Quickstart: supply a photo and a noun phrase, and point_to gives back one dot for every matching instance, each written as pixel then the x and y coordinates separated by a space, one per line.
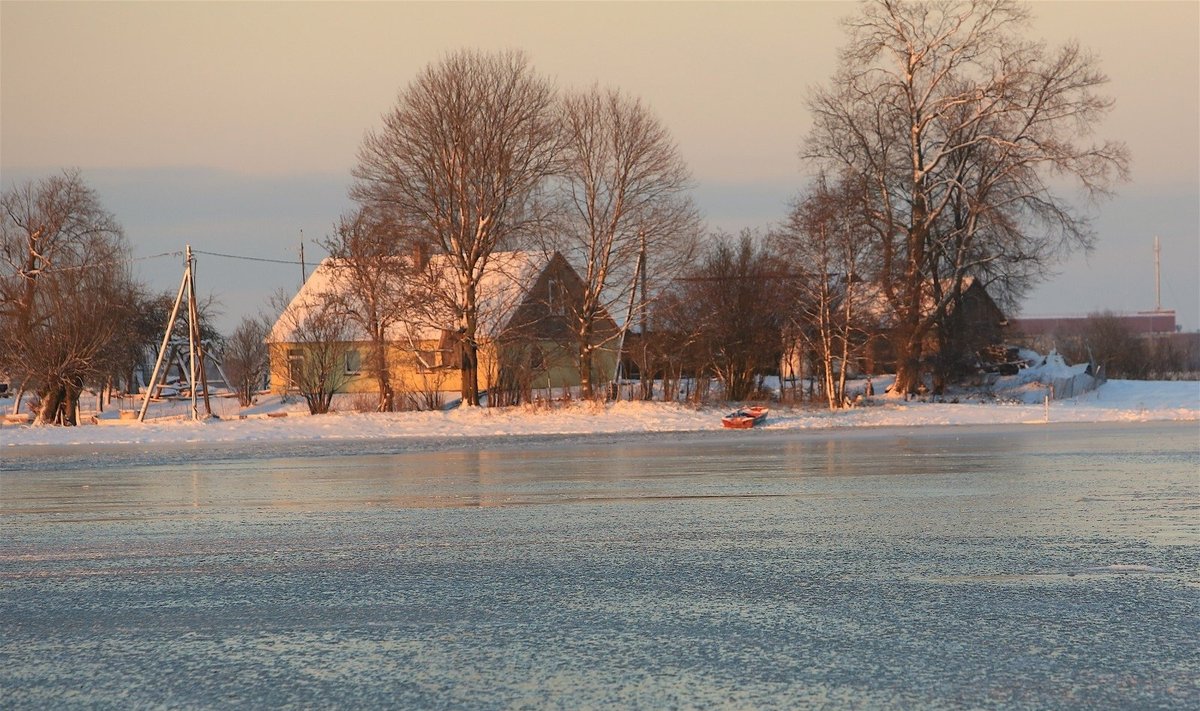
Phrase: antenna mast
pixel 1157 275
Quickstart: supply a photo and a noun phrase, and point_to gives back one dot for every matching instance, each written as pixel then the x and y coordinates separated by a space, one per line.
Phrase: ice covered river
pixel 1021 566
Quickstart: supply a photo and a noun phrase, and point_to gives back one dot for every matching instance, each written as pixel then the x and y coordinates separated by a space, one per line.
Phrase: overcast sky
pixel 234 126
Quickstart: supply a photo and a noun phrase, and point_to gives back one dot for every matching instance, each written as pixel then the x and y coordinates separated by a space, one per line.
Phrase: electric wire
pixel 244 258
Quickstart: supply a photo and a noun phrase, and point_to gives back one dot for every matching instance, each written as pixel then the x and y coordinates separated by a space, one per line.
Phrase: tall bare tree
pixel 623 195
pixel 823 241
pixel 65 290
pixel 373 280
pixel 958 128
pixel 458 162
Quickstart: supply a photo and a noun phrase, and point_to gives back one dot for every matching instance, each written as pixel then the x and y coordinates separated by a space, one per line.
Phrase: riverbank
pixel 1116 401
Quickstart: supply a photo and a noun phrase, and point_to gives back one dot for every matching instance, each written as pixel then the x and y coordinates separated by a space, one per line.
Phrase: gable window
pixel 554 296
pixel 353 362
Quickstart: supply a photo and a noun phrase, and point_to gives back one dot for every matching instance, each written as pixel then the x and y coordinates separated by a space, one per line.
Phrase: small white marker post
pixel 1047 408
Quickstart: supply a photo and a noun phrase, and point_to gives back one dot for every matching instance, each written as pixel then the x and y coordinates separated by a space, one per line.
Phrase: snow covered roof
pixel 870 300
pixel 505 283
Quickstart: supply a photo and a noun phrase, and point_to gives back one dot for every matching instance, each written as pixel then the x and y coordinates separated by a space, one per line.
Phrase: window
pixel 353 362
pixel 450 353
pixel 426 361
pixel 295 367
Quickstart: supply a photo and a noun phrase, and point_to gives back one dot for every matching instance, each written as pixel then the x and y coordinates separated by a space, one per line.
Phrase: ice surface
pixel 1008 567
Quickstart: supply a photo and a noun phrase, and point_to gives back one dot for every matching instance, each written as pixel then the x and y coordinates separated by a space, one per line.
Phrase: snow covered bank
pixel 1116 401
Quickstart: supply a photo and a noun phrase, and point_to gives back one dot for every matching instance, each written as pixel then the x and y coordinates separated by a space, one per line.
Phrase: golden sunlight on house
pixel 526 342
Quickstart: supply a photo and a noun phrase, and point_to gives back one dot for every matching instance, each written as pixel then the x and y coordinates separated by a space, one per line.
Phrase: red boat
pixel 744 418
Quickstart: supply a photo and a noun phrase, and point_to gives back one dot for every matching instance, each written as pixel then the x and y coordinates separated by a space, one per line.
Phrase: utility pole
pixel 194 340
pixel 195 352
pixel 641 267
pixel 639 276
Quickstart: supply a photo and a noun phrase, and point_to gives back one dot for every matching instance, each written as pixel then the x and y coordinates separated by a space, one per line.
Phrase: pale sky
pixel 234 126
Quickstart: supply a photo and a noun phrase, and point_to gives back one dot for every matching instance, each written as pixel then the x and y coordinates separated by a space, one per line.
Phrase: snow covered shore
pixel 1116 401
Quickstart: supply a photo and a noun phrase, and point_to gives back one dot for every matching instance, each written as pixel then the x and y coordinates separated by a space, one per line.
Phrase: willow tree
pixel 66 295
pixel 623 200
pixel 967 139
pixel 458 162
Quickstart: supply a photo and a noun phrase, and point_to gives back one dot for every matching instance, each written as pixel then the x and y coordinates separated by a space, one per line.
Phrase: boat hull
pixel 745 418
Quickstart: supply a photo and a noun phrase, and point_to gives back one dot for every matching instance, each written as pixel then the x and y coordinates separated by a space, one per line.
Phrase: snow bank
pixel 1116 401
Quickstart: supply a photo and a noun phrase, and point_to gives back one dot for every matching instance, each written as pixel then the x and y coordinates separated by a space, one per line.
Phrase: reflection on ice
pixel 954 568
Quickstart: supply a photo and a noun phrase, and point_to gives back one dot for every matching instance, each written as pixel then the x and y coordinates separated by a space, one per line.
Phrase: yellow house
pixel 527 302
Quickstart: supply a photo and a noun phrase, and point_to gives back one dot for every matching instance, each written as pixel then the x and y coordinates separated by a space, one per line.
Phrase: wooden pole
pixel 198 341
pixel 162 350
pixel 191 335
pixel 629 315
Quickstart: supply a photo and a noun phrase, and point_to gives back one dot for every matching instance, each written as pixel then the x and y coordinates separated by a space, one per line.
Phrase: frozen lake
pixel 1020 566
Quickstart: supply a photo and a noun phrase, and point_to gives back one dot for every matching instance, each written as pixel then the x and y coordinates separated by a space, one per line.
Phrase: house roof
pixel 505 284
pixel 870 300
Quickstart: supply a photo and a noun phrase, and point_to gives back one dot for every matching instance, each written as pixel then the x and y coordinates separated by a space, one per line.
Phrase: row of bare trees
pixel 943 144
pixel 481 154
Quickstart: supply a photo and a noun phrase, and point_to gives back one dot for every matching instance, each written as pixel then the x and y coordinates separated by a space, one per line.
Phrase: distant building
pixel 1141 323
pixel 972 323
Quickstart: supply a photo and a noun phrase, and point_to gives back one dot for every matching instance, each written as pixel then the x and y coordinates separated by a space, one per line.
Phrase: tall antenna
pixel 1157 275
pixel 303 268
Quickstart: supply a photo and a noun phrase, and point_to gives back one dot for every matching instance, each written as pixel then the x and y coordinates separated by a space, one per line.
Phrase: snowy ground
pixel 1116 401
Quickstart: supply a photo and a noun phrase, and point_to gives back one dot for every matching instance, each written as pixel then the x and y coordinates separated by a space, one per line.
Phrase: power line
pixel 178 253
pixel 244 258
pixel 51 269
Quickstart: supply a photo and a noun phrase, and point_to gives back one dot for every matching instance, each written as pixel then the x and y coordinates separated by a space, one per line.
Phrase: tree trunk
pixel 470 349
pixel 585 370
pixel 70 404
pixel 470 372
pixel 387 396
pixel 50 404
pixel 20 394
pixel 908 361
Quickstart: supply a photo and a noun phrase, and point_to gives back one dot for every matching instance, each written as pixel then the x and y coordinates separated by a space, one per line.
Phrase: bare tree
pixel 312 339
pixel 374 281
pixel 957 127
pixel 140 336
pixel 246 359
pixel 824 241
pixel 623 195
pixel 732 303
pixel 458 163
pixel 1109 343
pixel 64 290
